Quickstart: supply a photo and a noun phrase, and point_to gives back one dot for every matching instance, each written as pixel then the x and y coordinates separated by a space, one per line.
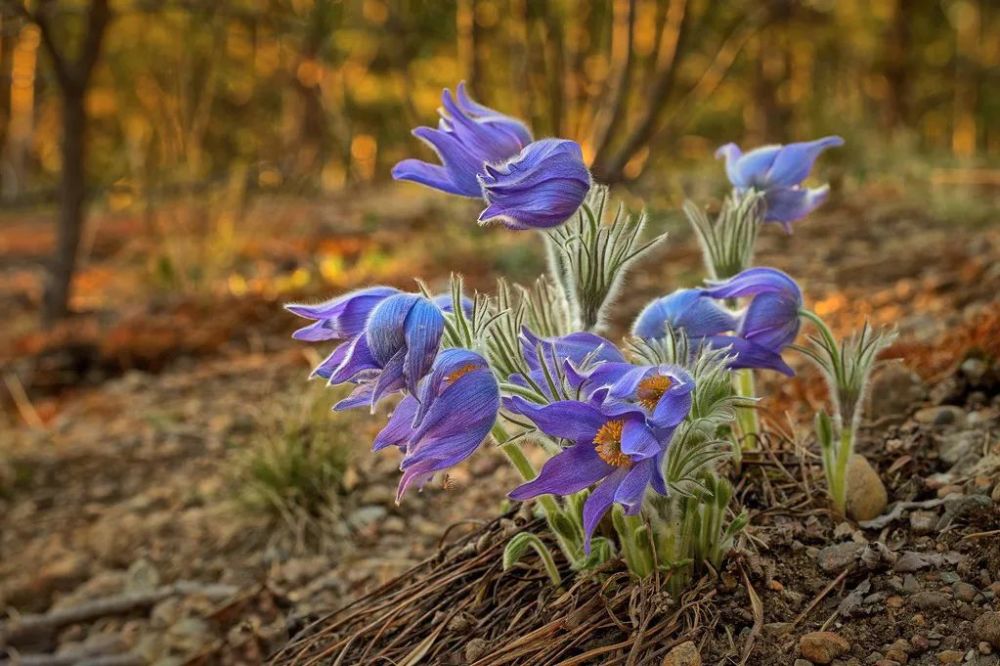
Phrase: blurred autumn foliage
pixel 303 96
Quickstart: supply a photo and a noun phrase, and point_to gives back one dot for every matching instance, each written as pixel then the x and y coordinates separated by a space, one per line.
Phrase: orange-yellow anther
pixel 651 389
pixel 608 444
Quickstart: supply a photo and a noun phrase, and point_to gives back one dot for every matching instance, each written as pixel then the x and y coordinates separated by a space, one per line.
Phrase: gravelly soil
pixel 129 484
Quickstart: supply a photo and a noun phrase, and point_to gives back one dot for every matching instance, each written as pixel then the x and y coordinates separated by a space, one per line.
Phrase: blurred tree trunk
pixel 896 72
pixel 608 165
pixel 611 113
pixel 468 46
pixel 73 76
pixel 967 31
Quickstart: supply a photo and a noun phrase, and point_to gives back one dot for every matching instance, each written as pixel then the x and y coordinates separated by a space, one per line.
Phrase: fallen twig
pixel 29 628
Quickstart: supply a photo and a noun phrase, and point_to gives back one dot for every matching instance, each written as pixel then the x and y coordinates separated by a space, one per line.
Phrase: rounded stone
pixel 866 494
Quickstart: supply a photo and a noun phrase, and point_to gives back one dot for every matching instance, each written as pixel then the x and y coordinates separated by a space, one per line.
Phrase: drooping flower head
pixel 771 320
pixel 446 421
pixel 685 309
pixel 539 188
pixel 468 136
pixel 619 452
pixel 756 337
pixel 340 317
pixel 394 348
pixel 778 172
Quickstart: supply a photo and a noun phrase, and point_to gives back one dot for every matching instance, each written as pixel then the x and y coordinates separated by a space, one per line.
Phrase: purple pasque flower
pixel 778 172
pixel 771 320
pixel 340 317
pixel 468 136
pixel 685 309
pixel 396 348
pixel 539 188
pixel 446 421
pixel 619 452
pixel 660 392
pixel 547 357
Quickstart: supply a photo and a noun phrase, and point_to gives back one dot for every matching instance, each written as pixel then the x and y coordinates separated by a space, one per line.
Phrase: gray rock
pixel 685 654
pixel 835 558
pixel 987 628
pixel 822 647
pixel 930 600
pixel 923 522
pixel 866 494
pixel 939 416
pixel 909 562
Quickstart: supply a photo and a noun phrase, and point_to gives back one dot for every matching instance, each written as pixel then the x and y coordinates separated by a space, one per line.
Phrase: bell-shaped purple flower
pixel 778 172
pixel 401 337
pixel 446 420
pixel 619 452
pixel 539 188
pixel 685 309
pixel 341 317
pixel 771 320
pixel 468 136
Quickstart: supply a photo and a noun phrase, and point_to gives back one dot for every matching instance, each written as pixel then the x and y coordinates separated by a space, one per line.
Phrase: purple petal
pixel 687 310
pixel 391 378
pixel 425 173
pixel 787 205
pixel 750 355
pixel 361 395
pixel 638 441
pixel 795 160
pixel 771 320
pixel 732 153
pixel 753 281
pixel 357 359
pixel 568 419
pixel 633 487
pixel 565 473
pixel 386 326
pixel 461 165
pixel 598 504
pixel 751 169
pixel 400 426
pixel 423 330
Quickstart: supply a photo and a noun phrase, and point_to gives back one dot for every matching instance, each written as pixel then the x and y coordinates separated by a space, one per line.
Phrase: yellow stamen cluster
pixel 608 444
pixel 651 389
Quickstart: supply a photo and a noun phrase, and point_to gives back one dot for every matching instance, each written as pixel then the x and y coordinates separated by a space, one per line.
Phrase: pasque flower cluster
pixel 463 371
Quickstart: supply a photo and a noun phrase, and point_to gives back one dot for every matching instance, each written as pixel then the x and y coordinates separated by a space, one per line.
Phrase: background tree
pixel 73 65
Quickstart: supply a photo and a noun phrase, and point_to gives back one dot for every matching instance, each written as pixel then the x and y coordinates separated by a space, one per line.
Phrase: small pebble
pixel 822 647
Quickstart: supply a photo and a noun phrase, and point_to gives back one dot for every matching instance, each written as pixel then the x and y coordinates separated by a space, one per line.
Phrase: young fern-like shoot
pixel 847 367
pixel 593 251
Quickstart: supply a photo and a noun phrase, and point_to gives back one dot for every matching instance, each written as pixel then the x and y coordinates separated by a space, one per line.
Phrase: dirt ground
pixel 122 432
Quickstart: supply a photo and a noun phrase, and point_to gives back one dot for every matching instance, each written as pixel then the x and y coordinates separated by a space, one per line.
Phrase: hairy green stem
pixel 747 419
pixel 568 540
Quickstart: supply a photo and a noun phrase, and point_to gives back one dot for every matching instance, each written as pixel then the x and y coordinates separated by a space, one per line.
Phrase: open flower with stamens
pixel 468 136
pixel 446 421
pixel 395 349
pixel 778 172
pixel 619 452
